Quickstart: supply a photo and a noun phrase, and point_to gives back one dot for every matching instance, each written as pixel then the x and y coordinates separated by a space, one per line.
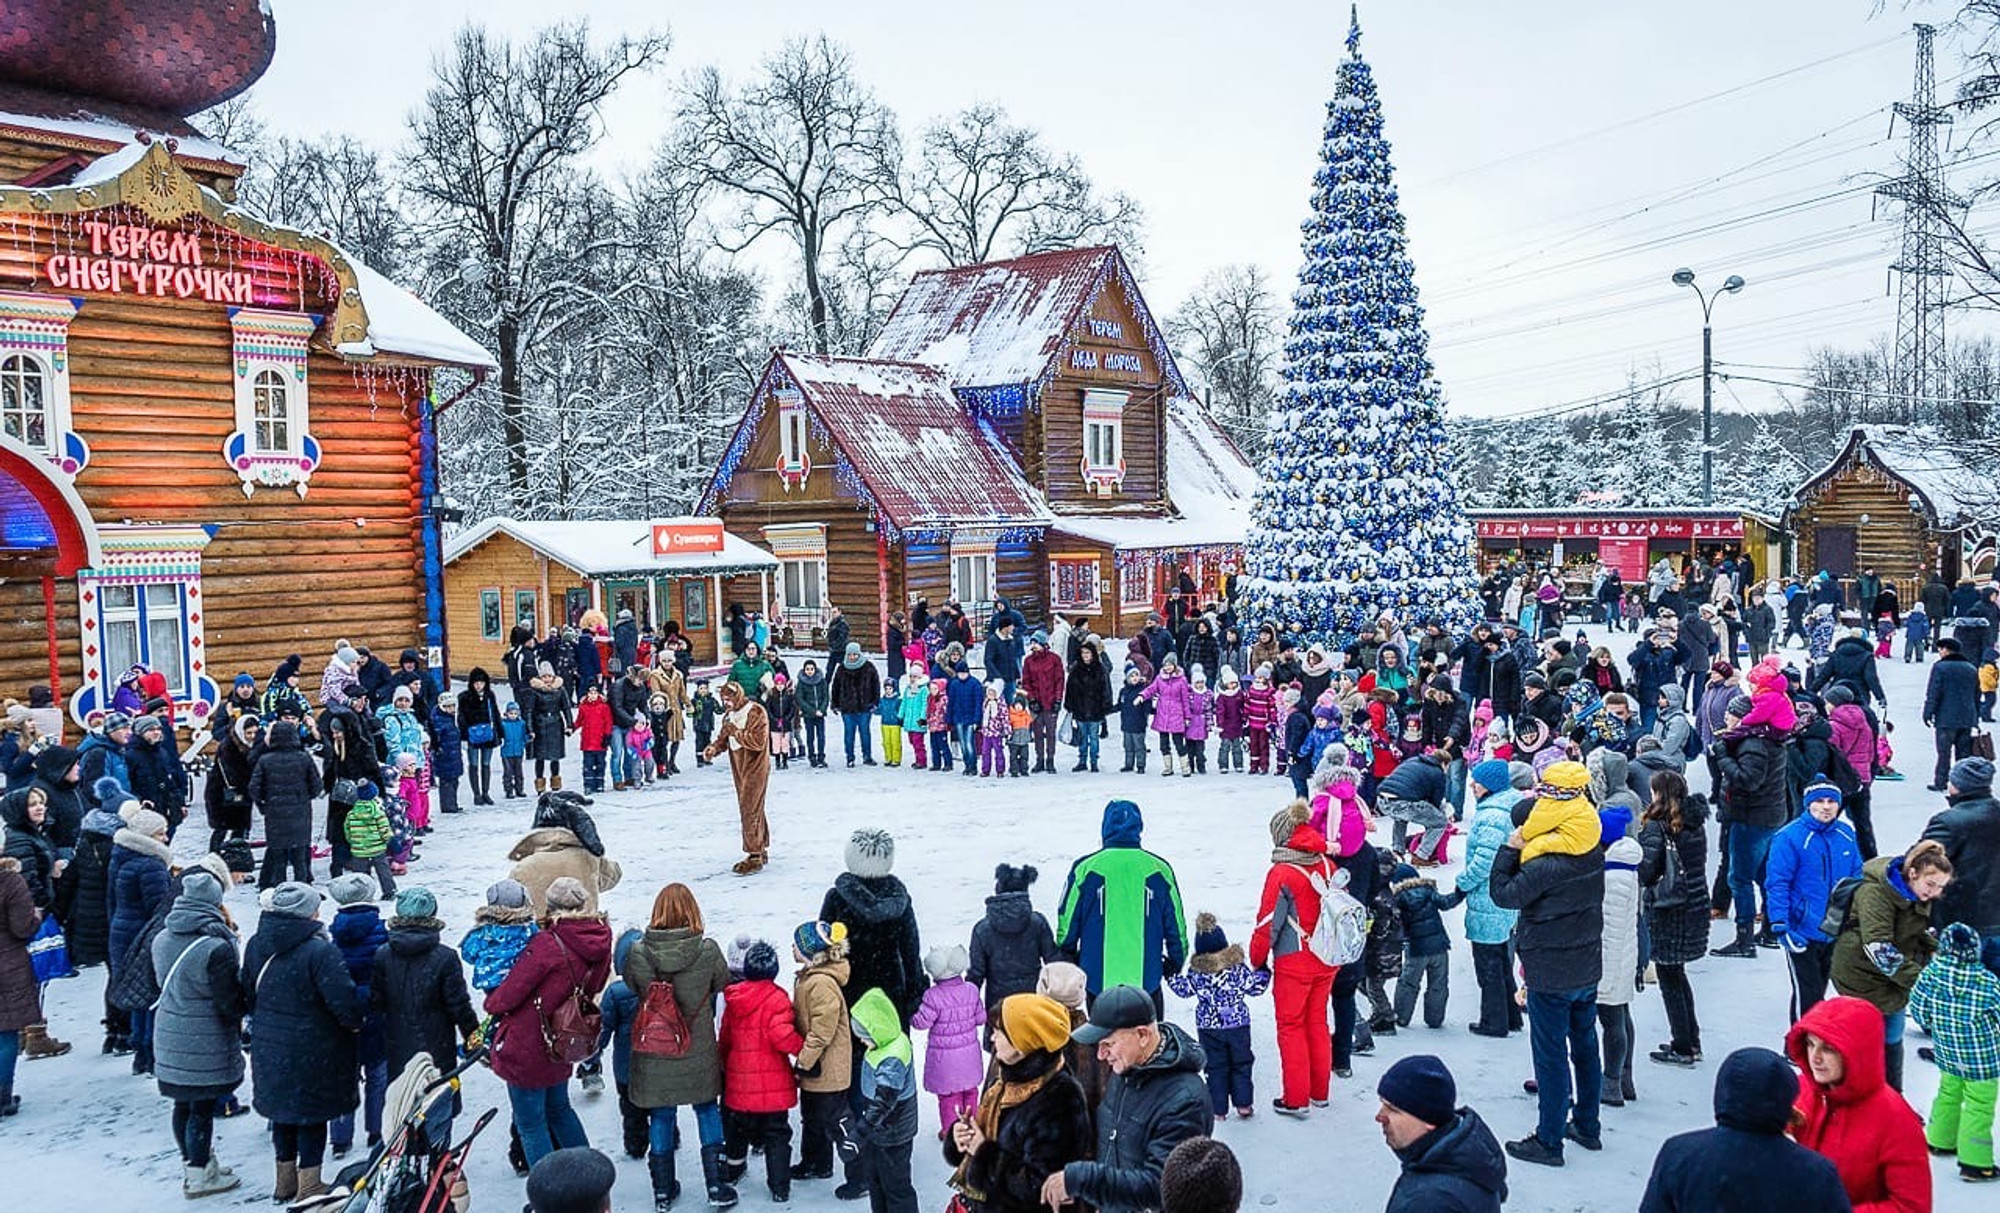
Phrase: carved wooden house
pixel 216 439
pixel 1019 430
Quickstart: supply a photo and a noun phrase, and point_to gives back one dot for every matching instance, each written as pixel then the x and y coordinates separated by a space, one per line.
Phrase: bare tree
pixel 1227 331
pixel 335 187
pixel 492 148
pixel 803 149
pixel 983 187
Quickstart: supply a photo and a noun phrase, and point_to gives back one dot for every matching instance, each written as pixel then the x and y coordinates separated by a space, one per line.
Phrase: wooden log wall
pixel 22 155
pixel 510 566
pixel 1107 351
pixel 152 394
pixel 852 579
pixel 24 649
pixel 1894 541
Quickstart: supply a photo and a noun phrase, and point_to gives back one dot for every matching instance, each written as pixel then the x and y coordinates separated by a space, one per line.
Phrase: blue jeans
pixel 661 1134
pixel 619 763
pixel 1565 1022
pixel 968 743
pixel 545 1120
pixel 855 724
pixel 1748 845
pixel 1087 734
pixel 1454 790
pixel 375 1089
pixel 10 1052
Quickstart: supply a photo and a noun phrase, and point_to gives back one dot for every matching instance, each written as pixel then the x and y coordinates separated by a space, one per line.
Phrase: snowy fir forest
pixel 624 319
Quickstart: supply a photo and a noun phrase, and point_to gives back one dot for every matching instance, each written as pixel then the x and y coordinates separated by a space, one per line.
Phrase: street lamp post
pixel 1732 284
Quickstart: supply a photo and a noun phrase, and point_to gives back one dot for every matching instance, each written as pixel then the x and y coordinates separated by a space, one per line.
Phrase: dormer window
pixel 1103 467
pixel 794 462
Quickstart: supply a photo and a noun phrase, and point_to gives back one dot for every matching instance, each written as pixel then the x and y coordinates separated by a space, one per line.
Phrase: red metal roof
pixel 995 324
pixel 926 462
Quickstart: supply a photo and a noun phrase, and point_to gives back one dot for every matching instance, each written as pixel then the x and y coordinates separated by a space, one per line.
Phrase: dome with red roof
pixel 168 56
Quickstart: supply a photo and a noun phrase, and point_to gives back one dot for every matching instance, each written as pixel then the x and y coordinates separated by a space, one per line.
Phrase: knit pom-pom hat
pixel 871 853
pixel 1010 879
pixel 1208 934
pixel 945 963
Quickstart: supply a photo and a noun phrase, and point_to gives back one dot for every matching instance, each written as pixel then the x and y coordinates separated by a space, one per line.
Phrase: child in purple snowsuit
pixel 1220 981
pixel 1232 725
pixel 952 1013
pixel 1201 702
pixel 1168 694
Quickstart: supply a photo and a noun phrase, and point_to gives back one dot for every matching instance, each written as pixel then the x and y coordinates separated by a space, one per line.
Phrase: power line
pixel 1679 107
pixel 1548 412
pixel 1865 393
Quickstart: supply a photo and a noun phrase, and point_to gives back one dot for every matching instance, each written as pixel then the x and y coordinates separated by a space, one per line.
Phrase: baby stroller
pixel 416 1169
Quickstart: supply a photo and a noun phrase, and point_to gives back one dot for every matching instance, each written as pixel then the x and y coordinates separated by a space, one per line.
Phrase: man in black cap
pixel 1451 1161
pixel 575 1180
pixel 1154 1101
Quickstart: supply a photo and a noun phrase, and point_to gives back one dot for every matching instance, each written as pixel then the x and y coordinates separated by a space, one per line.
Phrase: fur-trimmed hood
pixel 143 844
pixel 1216 962
pixel 1414 882
pixel 504 915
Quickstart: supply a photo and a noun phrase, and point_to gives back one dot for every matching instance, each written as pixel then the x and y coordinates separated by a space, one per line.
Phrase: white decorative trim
pixel 140 556
pixel 269 354
pixel 36 327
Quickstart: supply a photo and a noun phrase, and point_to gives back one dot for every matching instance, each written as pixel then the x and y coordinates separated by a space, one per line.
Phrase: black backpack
pixel 1839 906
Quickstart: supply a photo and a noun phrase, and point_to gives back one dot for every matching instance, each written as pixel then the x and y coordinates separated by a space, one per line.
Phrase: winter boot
pixel 778 1175
pixel 197 1182
pixel 666 1189
pixel 36 1043
pixel 1167 763
pixel 10 1103
pixel 733 1169
pixel 541 785
pixel 720 1194
pixel 555 783
pixel 309 1183
pixel 287 1187
pixel 1744 947
pixel 1893 1070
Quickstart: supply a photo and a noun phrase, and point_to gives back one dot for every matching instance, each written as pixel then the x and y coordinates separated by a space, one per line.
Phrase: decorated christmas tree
pixel 1357 514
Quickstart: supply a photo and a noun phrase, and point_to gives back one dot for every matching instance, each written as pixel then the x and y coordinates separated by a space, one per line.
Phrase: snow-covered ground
pixel 88 1126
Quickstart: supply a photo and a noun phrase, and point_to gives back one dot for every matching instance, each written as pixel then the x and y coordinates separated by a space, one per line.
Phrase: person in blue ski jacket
pixel 1807 858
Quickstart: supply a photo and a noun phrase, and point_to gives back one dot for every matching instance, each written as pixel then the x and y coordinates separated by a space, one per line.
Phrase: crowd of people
pixel 1581 785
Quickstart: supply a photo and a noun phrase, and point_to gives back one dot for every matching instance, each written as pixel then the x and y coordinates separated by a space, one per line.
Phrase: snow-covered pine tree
pixel 1357 513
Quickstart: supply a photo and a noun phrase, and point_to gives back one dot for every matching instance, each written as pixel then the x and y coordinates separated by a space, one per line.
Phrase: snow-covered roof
pixel 1212 486
pixel 112 131
pixel 1955 493
pixel 995 324
pixel 913 446
pixel 401 323
pixel 607 548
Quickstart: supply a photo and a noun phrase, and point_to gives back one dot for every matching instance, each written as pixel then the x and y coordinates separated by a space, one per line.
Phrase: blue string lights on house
pixel 1357 514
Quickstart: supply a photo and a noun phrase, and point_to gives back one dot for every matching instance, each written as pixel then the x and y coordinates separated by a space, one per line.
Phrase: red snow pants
pixel 1301 988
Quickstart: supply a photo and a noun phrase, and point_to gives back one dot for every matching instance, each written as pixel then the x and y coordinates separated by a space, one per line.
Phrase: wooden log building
pixel 216 435
pixel 1019 431
pixel 1901 501
pixel 505 572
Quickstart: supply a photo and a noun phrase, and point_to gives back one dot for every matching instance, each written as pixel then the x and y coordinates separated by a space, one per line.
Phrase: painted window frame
pixel 1061 560
pixel 533 615
pixel 802 559
pixel 266 345
pixel 1135 585
pixel 36 328
pixel 148 590
pixel 1103 464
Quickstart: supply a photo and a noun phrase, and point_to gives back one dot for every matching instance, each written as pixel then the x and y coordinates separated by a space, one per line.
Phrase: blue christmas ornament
pixel 1357 513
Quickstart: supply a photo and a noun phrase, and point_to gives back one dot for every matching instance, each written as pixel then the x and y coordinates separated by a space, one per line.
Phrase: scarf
pixel 1017 1085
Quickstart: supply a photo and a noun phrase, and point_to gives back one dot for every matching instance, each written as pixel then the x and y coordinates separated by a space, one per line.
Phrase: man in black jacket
pixel 628 705
pixel 1451 1160
pixel 855 689
pixel 1447 717
pixel 1746 1161
pixel 1560 939
pixel 1756 803
pixel 1851 663
pixel 1154 1101
pixel 1970 832
pixel 1951 706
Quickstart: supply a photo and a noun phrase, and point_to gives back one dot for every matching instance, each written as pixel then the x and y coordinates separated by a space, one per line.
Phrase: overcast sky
pixel 1549 196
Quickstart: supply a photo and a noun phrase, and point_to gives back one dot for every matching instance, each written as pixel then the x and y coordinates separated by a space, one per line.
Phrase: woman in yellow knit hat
pixel 1031 1121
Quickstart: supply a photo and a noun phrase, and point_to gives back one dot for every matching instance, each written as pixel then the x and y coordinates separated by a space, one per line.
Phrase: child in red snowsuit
pixel 593 722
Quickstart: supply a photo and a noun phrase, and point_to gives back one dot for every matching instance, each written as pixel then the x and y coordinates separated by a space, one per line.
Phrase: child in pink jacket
pixel 952 1014
pixel 1168 693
